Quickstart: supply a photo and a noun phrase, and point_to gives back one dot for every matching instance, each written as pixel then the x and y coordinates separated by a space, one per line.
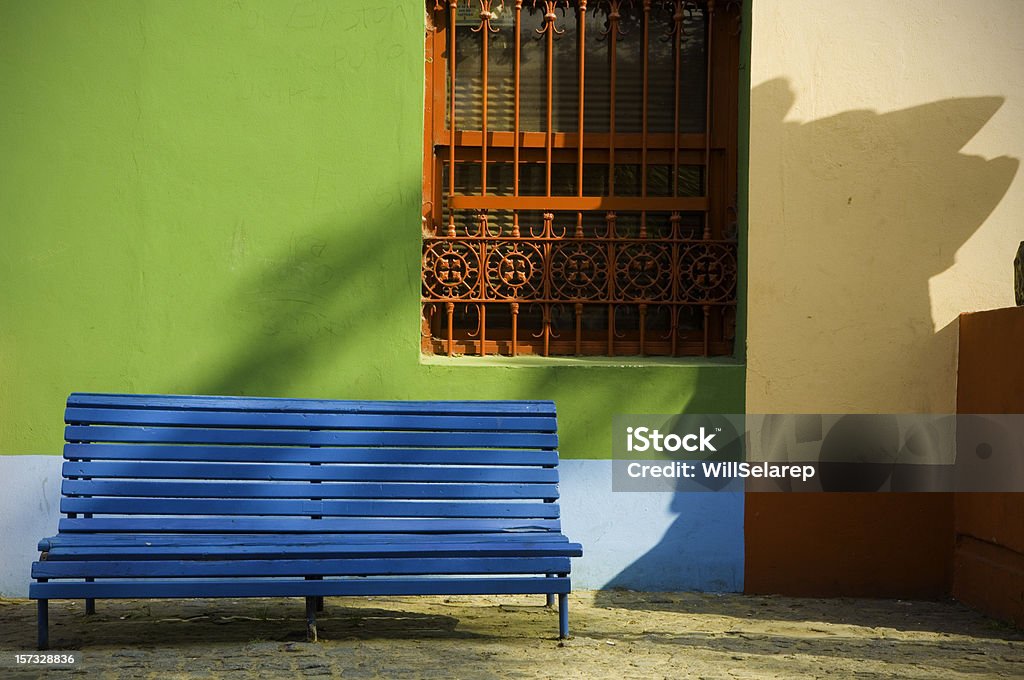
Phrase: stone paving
pixel 616 635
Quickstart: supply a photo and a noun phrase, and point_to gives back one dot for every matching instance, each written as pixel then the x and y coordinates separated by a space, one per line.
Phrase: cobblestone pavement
pixel 616 635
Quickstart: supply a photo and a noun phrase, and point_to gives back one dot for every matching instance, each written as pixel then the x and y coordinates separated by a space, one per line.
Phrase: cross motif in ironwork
pixel 515 269
pixel 643 264
pixel 707 272
pixel 450 269
pixel 579 269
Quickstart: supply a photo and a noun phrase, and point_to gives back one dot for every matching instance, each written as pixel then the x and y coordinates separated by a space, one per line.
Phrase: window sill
pixel 533 361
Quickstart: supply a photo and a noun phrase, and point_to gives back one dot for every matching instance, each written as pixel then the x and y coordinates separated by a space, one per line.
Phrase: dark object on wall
pixel 1018 275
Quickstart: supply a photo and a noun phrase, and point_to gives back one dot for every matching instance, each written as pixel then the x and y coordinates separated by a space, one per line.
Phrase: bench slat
pixel 187 551
pixel 285 454
pixel 289 524
pixel 186 435
pixel 295 471
pixel 147 540
pixel 325 421
pixel 278 489
pixel 328 508
pixel 300 567
pixel 285 588
pixel 219 403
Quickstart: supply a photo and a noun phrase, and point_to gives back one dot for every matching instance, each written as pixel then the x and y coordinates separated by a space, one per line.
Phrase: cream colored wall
pixel 885 196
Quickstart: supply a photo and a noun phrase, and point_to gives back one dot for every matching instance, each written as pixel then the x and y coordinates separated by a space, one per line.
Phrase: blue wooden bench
pixel 172 496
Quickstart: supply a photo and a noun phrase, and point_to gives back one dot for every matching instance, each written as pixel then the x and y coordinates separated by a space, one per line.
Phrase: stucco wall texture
pixel 224 198
pixel 201 197
pixel 884 199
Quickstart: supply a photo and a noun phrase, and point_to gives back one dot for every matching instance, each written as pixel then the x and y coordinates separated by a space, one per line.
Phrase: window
pixel 579 178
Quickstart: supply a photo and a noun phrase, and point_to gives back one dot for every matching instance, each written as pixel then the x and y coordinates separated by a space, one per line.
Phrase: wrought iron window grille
pixel 562 219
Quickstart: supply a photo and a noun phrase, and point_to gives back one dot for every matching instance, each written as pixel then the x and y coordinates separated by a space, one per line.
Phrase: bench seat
pixel 239 497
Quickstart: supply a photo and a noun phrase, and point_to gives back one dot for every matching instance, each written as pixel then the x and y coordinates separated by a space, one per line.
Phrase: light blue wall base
pixel 29 504
pixel 650 541
pixel 640 541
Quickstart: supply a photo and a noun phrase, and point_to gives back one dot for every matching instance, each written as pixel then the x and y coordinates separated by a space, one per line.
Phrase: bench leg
pixel 563 616
pixel 311 619
pixel 90 603
pixel 319 599
pixel 43 621
pixel 549 599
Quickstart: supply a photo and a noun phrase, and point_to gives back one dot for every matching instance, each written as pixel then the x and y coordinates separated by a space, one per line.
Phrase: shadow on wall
pixel 309 317
pixel 870 207
pixel 702 548
pixel 852 214
pixel 298 314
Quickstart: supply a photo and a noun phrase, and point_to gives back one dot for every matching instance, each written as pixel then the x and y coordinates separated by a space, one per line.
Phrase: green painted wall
pixel 223 197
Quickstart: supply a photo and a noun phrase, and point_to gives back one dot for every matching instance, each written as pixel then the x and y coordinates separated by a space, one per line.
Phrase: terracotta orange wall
pixel 988 566
pixel 849 544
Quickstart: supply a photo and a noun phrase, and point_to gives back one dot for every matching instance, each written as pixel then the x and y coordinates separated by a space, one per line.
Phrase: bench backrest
pixel 188 464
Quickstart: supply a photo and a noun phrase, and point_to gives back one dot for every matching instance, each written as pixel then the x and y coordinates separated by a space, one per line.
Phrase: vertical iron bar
pixel 515 115
pixel 643 147
pixel 677 39
pixel 674 309
pixel 709 23
pixel 579 328
pixel 515 328
pixel 549 18
pixel 643 326
pixel 483 328
pixel 484 30
pixel 450 308
pixel 610 218
pixel 613 38
pixel 611 326
pixel 581 25
pixel 453 6
pixel 483 282
pixel 707 322
pixel 547 327
pixel 548 234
